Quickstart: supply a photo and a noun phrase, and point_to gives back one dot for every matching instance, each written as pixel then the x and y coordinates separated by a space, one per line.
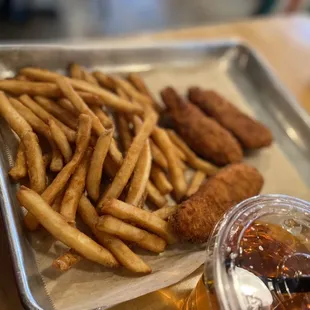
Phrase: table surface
pixel 284 41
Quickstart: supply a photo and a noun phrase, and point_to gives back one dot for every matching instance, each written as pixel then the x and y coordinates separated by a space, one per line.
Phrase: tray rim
pixel 20 275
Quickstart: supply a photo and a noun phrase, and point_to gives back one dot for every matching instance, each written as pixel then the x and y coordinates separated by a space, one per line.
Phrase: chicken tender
pixel 251 133
pixel 204 135
pixel 195 217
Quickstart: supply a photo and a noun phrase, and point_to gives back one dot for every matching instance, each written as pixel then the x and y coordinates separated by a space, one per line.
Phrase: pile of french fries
pixel 90 146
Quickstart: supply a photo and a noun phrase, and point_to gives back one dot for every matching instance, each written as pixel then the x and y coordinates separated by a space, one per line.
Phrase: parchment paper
pixel 88 285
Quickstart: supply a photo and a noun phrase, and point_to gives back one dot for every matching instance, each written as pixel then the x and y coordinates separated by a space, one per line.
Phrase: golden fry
pixel 155 196
pixel 142 238
pixel 60 181
pixel 117 247
pixel 158 156
pixel 191 157
pixel 75 189
pixel 35 164
pixel 105 80
pixel 89 78
pixel 16 87
pixel 91 99
pixel 109 98
pixel 79 104
pixel 54 223
pixel 140 176
pixel 83 108
pixel 67 260
pixel 177 178
pixel 131 158
pixel 104 119
pixel 19 170
pixel 94 173
pixel 40 127
pixel 60 113
pixel 142 218
pixel 67 105
pixel 197 180
pixel 132 92
pixel 160 180
pixel 21 78
pixel 165 212
pixel 124 131
pixel 14 119
pixel 45 116
pixel 76 72
pixel 61 140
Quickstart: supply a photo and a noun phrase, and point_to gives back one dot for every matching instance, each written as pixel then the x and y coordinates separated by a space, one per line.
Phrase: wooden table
pixel 285 42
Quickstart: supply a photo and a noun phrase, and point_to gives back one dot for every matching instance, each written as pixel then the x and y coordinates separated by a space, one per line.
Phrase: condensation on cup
pixel 258 257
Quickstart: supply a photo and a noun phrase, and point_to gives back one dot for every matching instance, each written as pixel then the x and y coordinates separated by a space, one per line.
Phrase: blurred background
pixel 76 19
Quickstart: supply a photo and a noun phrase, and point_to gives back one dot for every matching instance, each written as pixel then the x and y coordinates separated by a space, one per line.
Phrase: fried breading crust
pixel 195 218
pixel 251 133
pixel 203 134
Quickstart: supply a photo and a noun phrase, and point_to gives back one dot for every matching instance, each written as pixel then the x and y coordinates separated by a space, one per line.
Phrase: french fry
pixel 21 78
pixel 35 164
pixel 60 113
pixel 91 99
pixel 160 180
pixel 142 218
pixel 110 99
pixel 19 170
pixel 75 189
pixel 140 176
pixel 60 181
pixel 16 87
pixel 132 92
pixel 55 224
pixel 14 119
pixel 47 158
pixel 79 104
pixel 105 80
pixel 197 180
pixel 138 83
pixel 155 196
pixel 125 231
pixel 83 108
pixel 158 156
pixel 104 119
pixel 117 247
pixel 131 158
pixel 76 71
pixel 89 78
pixel 142 200
pixel 67 260
pixel 165 212
pixel 124 131
pixel 110 168
pixel 60 139
pixel 67 105
pixel 94 173
pixel 177 178
pixel 194 161
pixel 179 152
pixel 40 127
pixel 45 116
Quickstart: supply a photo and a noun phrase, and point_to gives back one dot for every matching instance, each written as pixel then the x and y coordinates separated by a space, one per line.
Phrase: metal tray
pixel 253 78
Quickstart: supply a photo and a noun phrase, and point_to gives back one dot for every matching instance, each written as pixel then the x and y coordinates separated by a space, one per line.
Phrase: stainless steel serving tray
pixel 253 78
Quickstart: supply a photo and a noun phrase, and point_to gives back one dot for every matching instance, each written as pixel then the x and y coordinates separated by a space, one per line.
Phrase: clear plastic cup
pixel 258 257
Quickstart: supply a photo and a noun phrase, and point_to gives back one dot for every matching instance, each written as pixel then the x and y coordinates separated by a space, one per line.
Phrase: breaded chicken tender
pixel 195 217
pixel 204 135
pixel 250 133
